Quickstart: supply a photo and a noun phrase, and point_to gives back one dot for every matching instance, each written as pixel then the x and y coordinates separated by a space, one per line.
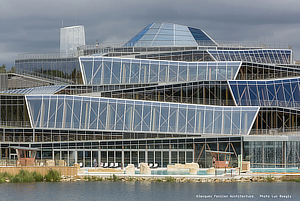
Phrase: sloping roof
pixel 35 90
pixel 25 148
pixel 167 34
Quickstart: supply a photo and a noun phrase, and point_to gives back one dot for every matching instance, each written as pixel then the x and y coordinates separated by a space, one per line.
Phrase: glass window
pixel 146 118
pixel 97 72
pixel 191 121
pixel 107 71
pixel 279 93
pixel 236 128
pixel 173 72
pixel 208 121
pixel 102 115
pixel 52 112
pixel 137 118
pixel 182 120
pixel 120 116
pixel 164 119
pixel 217 122
pixel 272 95
pixel 263 96
pixel 88 69
pixel 116 71
pixel 135 72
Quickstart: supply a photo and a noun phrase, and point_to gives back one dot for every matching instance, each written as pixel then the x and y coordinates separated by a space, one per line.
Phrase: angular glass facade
pixel 105 70
pixel 259 71
pixel 36 90
pixel 202 92
pixel 165 34
pixel 258 56
pixel 14 111
pixel 166 96
pixel 128 115
pixel 58 70
pixel 282 93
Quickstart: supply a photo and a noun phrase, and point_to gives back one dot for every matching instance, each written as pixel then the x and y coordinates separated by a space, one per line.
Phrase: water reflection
pixel 140 190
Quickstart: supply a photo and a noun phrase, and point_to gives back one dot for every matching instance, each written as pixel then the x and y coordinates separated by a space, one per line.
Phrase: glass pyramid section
pixel 166 34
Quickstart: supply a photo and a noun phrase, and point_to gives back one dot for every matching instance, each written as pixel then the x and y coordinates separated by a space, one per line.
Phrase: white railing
pixel 109 47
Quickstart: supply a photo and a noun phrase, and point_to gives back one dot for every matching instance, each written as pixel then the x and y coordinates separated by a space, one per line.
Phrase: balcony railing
pixel 276 131
pixel 111 47
pixel 10 124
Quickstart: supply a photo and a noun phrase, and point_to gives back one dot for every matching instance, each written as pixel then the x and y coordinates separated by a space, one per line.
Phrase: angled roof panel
pixel 167 34
pixel 36 90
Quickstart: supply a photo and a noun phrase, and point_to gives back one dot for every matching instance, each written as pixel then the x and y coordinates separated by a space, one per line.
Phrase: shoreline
pixel 226 177
pixel 91 174
pixel 183 178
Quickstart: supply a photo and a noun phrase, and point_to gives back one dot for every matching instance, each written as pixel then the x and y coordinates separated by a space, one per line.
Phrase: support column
pixel 123 164
pixel 33 135
pixel 284 154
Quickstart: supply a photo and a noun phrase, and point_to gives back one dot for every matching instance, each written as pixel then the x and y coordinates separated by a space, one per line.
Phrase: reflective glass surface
pixel 165 34
pixel 128 115
pixel 36 90
pixel 283 93
pixel 258 56
pixel 107 70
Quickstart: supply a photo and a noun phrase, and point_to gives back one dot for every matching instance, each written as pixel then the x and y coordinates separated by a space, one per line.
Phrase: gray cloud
pixel 33 26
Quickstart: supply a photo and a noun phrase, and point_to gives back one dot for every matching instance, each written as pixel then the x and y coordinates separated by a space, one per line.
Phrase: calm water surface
pixel 149 191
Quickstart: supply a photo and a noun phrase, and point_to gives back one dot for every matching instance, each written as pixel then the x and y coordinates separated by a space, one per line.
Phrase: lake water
pixel 149 191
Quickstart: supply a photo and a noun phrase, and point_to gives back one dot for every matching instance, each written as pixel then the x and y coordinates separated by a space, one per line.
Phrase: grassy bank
pixel 25 176
pixel 53 175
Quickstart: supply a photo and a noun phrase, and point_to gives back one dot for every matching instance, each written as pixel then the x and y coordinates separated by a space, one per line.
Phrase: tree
pixel 2 68
pixel 12 70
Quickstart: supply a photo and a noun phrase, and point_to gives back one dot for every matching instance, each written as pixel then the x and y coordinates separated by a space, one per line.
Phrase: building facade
pixel 171 94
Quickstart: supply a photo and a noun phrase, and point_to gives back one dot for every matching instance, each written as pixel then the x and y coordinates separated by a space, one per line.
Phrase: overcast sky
pixel 33 26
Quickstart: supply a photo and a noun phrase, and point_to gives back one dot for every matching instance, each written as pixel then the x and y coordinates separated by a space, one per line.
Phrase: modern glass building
pixel 171 94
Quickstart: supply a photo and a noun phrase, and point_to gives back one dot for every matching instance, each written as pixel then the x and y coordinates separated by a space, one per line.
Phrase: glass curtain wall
pixel 259 71
pixel 59 69
pixel 259 56
pixel 189 56
pixel 281 93
pixel 128 115
pixel 272 121
pixel 13 111
pixel 105 70
pixel 204 92
pixel 272 154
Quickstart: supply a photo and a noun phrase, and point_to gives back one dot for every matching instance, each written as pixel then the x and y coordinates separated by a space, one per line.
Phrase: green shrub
pixel 22 176
pixel 170 179
pixel 115 178
pixel 89 178
pixel 37 176
pixel 4 176
pixel 294 180
pixel 52 175
pixel 269 179
pixel 2 180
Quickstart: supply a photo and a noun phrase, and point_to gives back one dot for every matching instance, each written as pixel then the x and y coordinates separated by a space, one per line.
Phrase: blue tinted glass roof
pixel 167 34
pixel 36 90
pixel 258 56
